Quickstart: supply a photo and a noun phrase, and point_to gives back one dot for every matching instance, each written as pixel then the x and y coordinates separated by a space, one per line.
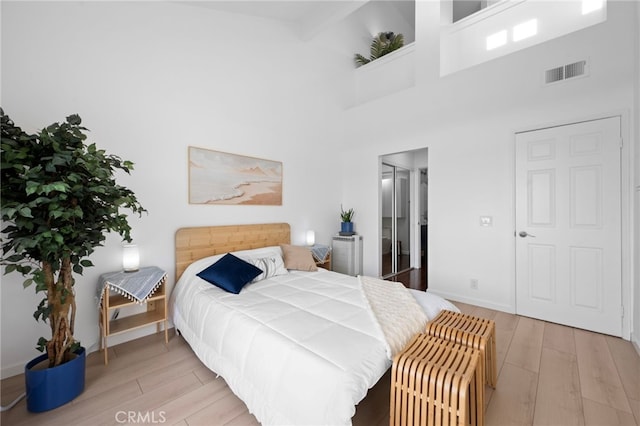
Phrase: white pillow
pixel 272 256
pixel 271 266
pixel 257 253
pixel 432 304
pixel 269 259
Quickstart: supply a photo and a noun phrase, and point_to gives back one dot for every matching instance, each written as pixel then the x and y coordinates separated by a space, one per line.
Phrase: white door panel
pixel 568 225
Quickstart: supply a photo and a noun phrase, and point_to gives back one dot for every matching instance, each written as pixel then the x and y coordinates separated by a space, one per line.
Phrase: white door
pixel 568 225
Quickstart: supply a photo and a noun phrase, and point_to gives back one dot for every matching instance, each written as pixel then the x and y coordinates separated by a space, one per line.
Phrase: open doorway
pixel 403 217
pixel 423 194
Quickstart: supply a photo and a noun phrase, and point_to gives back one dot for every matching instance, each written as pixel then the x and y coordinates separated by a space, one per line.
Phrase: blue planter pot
pixel 346 226
pixel 50 388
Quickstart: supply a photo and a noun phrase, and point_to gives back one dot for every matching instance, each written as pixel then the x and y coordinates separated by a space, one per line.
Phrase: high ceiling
pixel 306 16
pixel 288 10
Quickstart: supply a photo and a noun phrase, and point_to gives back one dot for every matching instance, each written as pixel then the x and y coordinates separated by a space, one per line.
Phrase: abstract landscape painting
pixel 221 178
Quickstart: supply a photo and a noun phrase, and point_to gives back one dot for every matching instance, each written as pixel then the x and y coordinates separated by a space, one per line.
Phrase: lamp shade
pixel 311 238
pixel 130 257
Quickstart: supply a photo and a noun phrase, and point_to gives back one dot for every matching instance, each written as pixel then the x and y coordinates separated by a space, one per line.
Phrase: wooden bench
pixel 478 333
pixel 436 382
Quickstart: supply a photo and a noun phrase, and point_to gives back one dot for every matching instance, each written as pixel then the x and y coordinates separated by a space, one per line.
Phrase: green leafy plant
pixel 59 200
pixel 382 44
pixel 346 215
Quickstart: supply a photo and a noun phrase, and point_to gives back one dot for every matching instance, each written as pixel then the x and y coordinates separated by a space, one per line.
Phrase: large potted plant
pixel 59 200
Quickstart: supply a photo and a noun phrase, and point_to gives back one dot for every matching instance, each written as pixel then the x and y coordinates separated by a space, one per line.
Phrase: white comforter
pixel 298 349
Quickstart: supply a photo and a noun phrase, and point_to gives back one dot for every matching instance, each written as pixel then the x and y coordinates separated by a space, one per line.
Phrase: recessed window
pixel 496 40
pixel 525 30
pixel 589 6
pixel 480 37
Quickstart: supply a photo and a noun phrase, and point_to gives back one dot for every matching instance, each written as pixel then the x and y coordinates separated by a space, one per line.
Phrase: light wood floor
pixel 548 375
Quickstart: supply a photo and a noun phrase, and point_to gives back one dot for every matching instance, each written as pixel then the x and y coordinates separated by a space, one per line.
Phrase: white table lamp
pixel 311 238
pixel 130 258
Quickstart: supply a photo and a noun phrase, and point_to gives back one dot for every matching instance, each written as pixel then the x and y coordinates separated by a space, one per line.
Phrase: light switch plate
pixel 486 221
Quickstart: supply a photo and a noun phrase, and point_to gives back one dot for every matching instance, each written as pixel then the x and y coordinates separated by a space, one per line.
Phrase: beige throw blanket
pixel 395 310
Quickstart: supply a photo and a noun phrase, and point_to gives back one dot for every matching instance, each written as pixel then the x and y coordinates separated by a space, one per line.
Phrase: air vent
pixel 565 72
pixel 553 75
pixel 576 69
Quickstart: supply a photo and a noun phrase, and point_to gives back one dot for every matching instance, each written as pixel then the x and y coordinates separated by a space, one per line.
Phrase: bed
pixel 297 347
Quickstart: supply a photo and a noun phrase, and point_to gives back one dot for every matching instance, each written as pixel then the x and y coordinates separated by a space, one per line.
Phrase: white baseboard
pixel 473 301
pixel 635 341
pixel 12 370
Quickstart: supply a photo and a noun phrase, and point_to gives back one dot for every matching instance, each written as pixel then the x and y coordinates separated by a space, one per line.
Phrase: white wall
pixel 468 120
pixel 149 79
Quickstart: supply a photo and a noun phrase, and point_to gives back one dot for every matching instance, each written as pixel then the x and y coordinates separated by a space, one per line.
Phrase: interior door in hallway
pixel 568 225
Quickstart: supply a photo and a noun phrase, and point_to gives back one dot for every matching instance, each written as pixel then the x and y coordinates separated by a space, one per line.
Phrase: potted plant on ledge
pixel 382 44
pixel 59 200
pixel 346 226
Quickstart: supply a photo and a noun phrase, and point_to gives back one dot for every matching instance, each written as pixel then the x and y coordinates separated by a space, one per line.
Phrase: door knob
pixel 524 234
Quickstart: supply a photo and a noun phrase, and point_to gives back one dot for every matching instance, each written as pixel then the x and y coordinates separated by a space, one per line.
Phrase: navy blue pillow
pixel 230 273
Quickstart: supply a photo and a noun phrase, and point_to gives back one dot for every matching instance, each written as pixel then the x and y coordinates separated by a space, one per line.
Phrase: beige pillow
pixel 297 257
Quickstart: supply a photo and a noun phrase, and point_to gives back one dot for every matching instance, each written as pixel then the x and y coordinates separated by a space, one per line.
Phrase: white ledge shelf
pixel 390 74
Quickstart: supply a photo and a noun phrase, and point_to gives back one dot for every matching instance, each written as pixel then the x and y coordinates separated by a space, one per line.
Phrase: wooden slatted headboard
pixel 195 243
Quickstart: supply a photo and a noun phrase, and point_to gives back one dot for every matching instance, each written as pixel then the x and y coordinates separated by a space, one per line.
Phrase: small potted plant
pixel 382 44
pixel 59 200
pixel 346 227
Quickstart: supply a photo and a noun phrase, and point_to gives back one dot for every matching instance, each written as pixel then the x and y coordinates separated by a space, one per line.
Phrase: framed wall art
pixel 217 177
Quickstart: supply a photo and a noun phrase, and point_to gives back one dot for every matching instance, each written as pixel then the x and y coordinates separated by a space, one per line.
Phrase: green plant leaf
pixel 25 212
pixel 360 60
pixel 42 344
pixel 8 212
pixel 14 258
pixel 32 187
